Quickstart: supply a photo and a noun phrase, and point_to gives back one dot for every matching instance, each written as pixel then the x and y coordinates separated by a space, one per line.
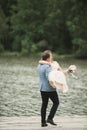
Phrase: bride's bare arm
pixel 64 71
pixel 43 62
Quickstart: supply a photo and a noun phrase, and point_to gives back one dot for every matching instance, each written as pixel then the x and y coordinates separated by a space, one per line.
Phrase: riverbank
pixel 36 55
pixel 33 123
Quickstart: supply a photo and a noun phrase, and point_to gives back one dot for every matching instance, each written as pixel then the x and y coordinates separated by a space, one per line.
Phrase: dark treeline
pixel 30 26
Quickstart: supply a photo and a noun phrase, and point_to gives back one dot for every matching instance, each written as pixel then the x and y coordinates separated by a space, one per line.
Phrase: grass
pixel 34 55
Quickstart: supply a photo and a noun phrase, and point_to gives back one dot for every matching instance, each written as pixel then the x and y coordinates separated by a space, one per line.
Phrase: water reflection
pixel 19 89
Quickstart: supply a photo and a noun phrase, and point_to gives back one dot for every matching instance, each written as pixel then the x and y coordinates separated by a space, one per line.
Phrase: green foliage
pixel 29 26
pixel 3 29
pixel 82 48
pixel 16 44
pixel 26 23
pixel 42 45
pixel 1 48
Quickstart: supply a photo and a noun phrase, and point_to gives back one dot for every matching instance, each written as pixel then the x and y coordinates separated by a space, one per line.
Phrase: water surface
pixel 19 88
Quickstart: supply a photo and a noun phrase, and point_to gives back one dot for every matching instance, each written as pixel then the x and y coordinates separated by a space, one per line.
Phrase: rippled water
pixel 19 88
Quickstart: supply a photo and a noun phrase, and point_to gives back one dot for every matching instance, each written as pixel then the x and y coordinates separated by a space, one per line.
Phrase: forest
pixel 32 26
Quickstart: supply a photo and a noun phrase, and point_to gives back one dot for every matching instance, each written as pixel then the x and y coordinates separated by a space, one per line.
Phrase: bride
pixel 57 76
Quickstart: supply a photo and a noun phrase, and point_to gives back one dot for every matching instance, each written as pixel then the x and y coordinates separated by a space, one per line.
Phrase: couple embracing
pixel 46 89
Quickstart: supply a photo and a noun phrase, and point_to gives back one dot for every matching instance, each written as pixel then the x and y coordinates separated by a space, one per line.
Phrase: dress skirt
pixel 57 79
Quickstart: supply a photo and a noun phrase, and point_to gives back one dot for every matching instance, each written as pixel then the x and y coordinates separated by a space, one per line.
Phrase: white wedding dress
pixel 57 79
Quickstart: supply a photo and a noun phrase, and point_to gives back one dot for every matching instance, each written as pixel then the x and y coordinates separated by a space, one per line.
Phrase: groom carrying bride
pixel 51 78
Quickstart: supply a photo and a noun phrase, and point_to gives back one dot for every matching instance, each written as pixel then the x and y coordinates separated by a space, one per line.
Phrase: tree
pixel 3 30
pixel 27 22
pixel 78 27
pixel 32 26
pixel 5 25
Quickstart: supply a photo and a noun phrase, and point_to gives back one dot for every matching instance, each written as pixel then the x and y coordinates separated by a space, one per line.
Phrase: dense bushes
pixel 29 26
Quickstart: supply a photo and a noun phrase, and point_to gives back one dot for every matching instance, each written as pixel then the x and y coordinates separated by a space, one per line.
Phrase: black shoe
pixel 51 122
pixel 44 125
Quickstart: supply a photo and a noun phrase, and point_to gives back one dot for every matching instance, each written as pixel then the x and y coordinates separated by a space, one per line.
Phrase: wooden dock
pixel 33 123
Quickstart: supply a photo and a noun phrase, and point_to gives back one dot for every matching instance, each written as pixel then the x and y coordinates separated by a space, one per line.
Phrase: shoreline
pixel 33 123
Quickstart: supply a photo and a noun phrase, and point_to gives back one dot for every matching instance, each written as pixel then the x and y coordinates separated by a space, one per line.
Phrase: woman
pixel 57 78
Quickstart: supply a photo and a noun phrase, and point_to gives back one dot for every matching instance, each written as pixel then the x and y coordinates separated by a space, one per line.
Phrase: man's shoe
pixel 44 125
pixel 51 122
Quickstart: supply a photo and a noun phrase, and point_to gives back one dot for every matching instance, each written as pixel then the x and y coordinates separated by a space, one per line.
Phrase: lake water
pixel 19 88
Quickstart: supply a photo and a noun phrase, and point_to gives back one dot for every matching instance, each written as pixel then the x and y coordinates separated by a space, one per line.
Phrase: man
pixel 47 92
